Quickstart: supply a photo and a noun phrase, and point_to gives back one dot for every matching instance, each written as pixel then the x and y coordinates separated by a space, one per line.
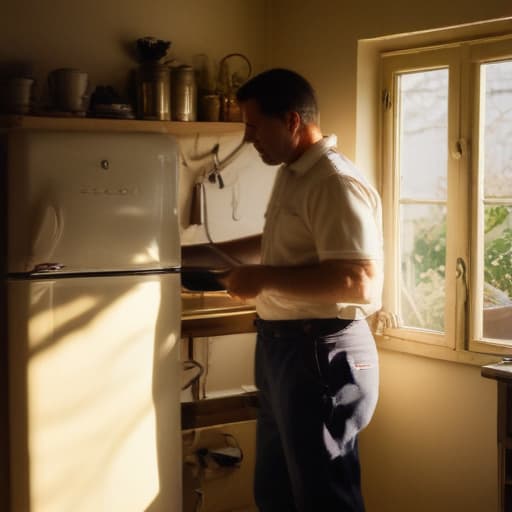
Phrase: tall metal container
pixel 154 91
pixel 184 94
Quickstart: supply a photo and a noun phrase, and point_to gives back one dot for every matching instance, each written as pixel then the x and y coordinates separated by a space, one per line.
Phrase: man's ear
pixel 293 121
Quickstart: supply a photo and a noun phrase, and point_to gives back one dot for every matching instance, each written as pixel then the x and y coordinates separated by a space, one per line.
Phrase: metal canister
pixel 184 94
pixel 154 91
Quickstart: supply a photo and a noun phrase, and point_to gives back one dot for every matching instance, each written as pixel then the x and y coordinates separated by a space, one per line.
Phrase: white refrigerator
pixel 91 311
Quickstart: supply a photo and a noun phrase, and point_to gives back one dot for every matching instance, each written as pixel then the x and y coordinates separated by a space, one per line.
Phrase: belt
pixel 319 326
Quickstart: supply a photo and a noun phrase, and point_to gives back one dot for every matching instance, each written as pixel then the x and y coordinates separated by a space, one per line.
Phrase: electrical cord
pixel 189 365
pixel 200 499
pixel 235 444
pixel 230 259
pixel 207 348
pixel 224 462
pixel 215 175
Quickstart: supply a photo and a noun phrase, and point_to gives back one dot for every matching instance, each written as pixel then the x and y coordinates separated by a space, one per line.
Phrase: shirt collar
pixel 312 154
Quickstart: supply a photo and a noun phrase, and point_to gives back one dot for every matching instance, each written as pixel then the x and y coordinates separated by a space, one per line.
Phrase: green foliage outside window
pixel 426 305
pixel 430 251
pixel 498 251
pixel 429 263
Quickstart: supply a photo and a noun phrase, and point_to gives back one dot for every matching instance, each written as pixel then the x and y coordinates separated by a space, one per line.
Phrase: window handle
pixel 461 269
pixel 460 150
pixel 462 302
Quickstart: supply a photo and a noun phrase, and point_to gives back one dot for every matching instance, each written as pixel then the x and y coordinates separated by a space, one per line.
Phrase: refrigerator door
pixel 95 394
pixel 92 201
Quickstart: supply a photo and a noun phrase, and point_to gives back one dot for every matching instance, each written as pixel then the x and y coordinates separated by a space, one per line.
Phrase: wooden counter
pixel 499 371
pixel 214 314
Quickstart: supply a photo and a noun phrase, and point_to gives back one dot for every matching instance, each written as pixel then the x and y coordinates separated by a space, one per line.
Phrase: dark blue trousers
pixel 318 387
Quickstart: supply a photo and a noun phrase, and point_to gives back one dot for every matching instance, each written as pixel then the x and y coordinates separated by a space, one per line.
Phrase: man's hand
pixel 244 281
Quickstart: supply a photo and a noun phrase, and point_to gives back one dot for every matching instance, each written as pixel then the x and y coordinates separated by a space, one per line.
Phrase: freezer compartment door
pixel 92 200
pixel 94 394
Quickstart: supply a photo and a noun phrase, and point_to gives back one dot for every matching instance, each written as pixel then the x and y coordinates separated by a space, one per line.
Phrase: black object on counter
pixel 202 279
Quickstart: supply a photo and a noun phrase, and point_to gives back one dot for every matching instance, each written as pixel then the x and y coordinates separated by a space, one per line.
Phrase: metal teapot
pixel 230 80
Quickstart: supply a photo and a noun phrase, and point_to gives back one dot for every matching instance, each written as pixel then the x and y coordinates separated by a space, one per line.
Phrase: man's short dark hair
pixel 279 91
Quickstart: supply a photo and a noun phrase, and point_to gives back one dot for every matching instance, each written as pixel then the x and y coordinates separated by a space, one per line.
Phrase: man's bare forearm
pixel 327 282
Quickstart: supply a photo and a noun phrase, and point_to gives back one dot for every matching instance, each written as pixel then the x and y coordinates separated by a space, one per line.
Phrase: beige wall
pixel 97 36
pixel 431 445
pixel 320 40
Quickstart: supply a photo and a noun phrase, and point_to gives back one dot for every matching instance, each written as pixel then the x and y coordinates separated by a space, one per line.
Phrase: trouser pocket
pixel 348 375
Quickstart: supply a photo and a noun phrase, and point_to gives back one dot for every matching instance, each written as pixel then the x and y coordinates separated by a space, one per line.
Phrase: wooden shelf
pixel 132 125
pixel 217 411
pixel 239 322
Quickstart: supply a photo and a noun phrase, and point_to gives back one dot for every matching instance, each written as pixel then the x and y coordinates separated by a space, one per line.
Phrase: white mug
pixel 68 89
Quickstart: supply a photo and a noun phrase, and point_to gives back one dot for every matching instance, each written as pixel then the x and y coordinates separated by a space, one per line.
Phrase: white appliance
pixel 92 307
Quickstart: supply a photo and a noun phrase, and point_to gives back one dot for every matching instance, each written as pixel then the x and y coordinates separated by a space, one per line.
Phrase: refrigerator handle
pixel 47 267
pixel 48 227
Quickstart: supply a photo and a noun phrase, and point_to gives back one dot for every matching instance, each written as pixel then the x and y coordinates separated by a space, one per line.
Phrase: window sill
pixel 434 351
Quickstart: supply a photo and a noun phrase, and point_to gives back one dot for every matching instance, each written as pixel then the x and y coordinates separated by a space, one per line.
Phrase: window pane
pixel 422 251
pixel 497 303
pixel 423 143
pixel 423 134
pixel 497 170
pixel 497 149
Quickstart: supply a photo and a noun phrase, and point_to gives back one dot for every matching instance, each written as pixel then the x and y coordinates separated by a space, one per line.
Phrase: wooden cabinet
pixel 505 443
pixel 503 374
pixel 206 314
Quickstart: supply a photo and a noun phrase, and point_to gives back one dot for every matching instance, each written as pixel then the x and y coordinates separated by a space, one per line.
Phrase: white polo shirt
pixel 321 208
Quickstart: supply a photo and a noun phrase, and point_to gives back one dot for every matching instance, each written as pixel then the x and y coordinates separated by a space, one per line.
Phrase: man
pixel 319 278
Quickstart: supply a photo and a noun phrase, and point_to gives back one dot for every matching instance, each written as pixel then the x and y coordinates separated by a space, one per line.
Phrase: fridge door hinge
pixel 386 99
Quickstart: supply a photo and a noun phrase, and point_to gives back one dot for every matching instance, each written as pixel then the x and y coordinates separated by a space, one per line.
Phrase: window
pixel 447 194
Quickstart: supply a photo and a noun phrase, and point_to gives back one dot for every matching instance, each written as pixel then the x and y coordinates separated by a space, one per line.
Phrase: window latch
pixel 462 302
pixel 460 149
pixel 386 99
